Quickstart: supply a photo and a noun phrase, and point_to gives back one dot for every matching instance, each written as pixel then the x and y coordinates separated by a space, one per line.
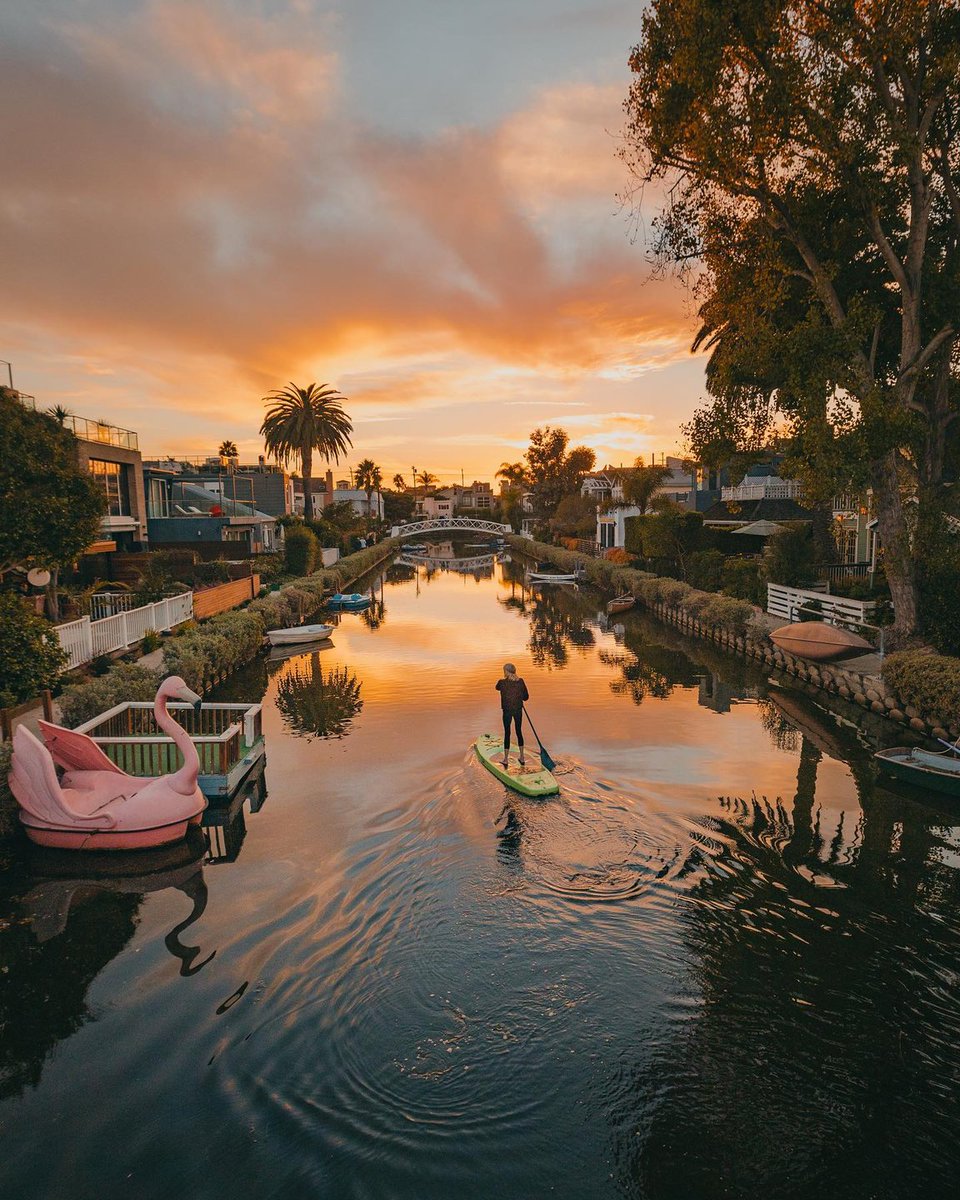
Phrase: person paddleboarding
pixel 513 692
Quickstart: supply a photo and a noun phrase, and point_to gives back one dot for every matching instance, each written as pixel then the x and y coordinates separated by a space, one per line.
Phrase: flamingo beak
pixel 192 698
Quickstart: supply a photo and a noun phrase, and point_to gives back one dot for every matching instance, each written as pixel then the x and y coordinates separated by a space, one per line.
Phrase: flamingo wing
pixel 33 781
pixel 75 751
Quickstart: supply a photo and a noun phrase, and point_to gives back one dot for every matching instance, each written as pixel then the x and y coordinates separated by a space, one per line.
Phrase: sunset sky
pixel 414 202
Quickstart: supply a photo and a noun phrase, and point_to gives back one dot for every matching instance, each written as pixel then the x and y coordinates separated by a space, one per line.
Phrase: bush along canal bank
pixel 917 689
pixel 203 655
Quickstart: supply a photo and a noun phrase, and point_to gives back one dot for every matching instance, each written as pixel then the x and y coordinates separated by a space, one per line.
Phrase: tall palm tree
pixel 301 420
pixel 513 474
pixel 370 478
pixel 399 483
pixel 427 480
pixel 228 449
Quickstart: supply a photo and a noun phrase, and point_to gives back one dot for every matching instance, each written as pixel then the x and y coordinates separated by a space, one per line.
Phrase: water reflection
pixel 315 703
pixel 559 619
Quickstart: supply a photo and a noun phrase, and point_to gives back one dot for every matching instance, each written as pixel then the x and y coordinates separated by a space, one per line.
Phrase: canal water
pixel 722 962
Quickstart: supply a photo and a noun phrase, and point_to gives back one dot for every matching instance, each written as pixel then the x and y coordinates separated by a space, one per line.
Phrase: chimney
pixel 330 483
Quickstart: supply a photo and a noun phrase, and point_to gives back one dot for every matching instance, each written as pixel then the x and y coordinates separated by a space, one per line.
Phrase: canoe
pixel 620 604
pixel 532 780
pixel 545 577
pixel 297 634
pixel 819 642
pixel 922 768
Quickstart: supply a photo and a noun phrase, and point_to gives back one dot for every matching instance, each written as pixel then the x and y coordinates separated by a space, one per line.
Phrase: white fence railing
pixel 786 602
pixel 85 640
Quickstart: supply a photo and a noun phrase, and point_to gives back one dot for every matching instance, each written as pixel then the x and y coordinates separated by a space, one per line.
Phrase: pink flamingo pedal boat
pixel 95 805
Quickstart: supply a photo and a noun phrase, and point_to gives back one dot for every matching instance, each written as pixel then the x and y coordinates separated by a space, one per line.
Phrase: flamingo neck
pixel 185 779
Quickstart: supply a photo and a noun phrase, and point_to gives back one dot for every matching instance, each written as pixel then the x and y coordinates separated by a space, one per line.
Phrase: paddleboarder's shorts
pixel 517 719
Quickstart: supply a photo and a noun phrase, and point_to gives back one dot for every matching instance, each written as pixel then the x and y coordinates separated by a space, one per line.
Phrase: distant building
pixel 269 489
pixel 184 512
pixel 324 492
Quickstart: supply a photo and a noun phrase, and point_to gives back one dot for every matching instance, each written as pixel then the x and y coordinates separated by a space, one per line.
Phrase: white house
pixel 611 526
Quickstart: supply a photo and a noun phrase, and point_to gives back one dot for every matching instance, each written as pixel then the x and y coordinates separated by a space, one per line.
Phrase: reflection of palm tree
pixel 374 615
pixel 317 704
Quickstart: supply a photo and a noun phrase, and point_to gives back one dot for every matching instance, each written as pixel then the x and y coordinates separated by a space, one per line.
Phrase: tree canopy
pixel 552 469
pixel 814 183
pixel 300 420
pixel 50 507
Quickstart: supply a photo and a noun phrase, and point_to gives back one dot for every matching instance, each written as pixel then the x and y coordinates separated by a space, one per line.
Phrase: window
pixel 482 500
pixel 111 478
pixel 158 499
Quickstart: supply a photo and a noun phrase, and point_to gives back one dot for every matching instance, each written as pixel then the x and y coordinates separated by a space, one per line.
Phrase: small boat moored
pixel 350 601
pixel 930 769
pixel 298 634
pixel 819 642
pixel 620 603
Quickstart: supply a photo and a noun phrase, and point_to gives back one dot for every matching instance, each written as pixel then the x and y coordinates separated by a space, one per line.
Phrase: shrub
pixel 790 556
pixel 618 555
pixel 125 681
pixel 275 611
pixel 220 644
pixel 704 570
pixel 9 809
pixel 673 592
pixel 301 549
pixel 31 657
pixel 186 657
pixel 740 577
pixel 929 683
pixel 151 641
pixel 270 567
pixel 207 574
pixel 727 613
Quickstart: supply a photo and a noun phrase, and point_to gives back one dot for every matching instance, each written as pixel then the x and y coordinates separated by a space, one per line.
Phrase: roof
pixel 744 512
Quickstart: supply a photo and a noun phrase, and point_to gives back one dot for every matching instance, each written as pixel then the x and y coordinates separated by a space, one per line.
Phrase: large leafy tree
pixel 50 508
pixel 811 151
pixel 300 420
pixel 553 470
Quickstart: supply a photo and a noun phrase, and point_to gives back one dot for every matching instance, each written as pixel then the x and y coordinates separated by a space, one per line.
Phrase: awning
pixel 762 528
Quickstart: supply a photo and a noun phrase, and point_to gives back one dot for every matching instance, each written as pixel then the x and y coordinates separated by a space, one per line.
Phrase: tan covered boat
pixel 819 642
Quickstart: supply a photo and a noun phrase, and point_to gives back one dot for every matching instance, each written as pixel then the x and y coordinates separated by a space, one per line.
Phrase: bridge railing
pixel 448 525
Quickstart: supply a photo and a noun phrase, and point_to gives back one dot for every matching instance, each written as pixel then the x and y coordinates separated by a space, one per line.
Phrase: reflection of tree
pixel 651 668
pixel 558 621
pixel 815 1058
pixel 314 703
pixel 375 614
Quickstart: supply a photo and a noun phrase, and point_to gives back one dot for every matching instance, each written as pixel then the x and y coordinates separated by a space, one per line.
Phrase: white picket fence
pixel 85 640
pixel 786 601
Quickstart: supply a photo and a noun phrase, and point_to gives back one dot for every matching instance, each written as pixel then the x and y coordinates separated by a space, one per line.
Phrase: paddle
pixel 544 756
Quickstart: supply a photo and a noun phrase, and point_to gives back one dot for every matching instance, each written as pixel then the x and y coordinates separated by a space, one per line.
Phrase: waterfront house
pixel 325 492
pixel 183 512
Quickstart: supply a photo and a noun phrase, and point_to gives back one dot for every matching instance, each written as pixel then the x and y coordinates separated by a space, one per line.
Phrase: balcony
pixel 110 525
pixel 100 431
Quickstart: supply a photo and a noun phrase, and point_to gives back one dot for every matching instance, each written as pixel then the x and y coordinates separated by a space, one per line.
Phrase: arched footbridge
pixel 450 525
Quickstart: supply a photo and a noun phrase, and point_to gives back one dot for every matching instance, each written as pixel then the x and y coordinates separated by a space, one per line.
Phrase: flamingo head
pixel 174 688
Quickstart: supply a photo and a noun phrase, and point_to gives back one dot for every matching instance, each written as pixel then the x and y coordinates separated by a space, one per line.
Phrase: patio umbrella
pixel 761 528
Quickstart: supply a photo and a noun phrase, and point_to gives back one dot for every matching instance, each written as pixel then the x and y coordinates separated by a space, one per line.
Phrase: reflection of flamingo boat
pixel 95 805
pixel 59 887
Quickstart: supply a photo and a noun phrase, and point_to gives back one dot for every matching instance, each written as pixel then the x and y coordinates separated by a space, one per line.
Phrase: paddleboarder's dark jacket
pixel 513 692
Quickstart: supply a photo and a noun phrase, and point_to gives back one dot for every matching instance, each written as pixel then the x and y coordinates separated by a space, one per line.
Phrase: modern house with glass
pixel 215 521
pixel 112 456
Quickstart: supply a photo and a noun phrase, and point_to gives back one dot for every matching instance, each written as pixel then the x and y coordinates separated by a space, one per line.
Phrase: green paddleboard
pixel 531 780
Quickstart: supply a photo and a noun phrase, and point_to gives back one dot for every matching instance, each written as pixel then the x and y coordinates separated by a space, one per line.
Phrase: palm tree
pixel 228 449
pixel 513 474
pixel 426 479
pixel 301 420
pixel 399 483
pixel 370 478
pixel 60 414
pixel 641 484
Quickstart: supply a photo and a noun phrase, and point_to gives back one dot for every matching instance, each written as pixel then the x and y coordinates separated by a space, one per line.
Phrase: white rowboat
pixel 297 634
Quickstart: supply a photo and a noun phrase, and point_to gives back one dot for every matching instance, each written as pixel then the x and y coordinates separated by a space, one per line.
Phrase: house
pixel 760 496
pixel 325 492
pixel 478 497
pixel 182 512
pixel 267 488
pixel 112 456
pixel 606 486
pixel 436 507
pixel 611 525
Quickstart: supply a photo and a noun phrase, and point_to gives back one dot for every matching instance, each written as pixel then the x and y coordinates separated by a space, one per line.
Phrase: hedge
pixel 301 549
pixel 930 683
pixel 82 701
pixel 710 608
